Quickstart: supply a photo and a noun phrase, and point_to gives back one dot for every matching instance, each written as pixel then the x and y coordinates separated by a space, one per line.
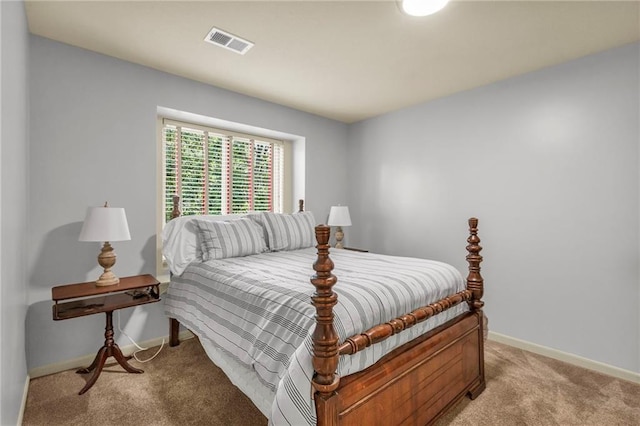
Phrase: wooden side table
pixel 77 300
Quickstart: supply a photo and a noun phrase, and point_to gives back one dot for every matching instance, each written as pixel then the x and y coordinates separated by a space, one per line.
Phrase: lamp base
pixel 107 259
pixel 106 279
pixel 339 237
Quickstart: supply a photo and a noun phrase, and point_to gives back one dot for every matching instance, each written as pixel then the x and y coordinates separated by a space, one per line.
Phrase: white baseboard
pixel 579 361
pixel 83 361
pixel 23 405
pixel 496 337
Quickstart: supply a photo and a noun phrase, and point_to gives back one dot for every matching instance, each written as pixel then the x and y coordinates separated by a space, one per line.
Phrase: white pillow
pixel 257 217
pixel 289 231
pixel 235 238
pixel 181 242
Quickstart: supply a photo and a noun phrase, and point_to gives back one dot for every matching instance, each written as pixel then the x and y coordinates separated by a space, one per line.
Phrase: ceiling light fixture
pixel 421 7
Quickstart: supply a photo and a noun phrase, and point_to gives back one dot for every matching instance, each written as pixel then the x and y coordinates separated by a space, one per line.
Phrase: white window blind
pixel 218 172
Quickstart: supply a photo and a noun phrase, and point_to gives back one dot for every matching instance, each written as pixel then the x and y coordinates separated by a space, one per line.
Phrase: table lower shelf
pixel 94 305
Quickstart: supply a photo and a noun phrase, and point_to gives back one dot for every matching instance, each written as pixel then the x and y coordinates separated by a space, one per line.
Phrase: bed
pixel 362 352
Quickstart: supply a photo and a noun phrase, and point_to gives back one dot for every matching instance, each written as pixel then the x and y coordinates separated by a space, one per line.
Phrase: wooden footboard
pixel 416 383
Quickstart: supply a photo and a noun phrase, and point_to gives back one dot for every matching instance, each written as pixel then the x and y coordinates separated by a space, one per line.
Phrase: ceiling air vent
pixel 228 41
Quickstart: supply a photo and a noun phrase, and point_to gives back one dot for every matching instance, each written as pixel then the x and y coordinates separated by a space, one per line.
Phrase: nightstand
pixel 77 300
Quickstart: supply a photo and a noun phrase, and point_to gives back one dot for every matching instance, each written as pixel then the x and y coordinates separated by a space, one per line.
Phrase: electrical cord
pixel 140 348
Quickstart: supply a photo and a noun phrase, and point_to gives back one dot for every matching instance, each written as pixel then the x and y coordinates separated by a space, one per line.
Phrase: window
pixel 215 171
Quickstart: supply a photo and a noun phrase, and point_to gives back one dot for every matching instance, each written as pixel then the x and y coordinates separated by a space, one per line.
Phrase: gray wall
pixel 549 163
pixel 93 138
pixel 14 48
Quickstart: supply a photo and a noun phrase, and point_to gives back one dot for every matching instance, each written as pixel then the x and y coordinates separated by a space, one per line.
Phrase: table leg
pixel 110 348
pixel 98 363
pixel 101 354
pixel 122 360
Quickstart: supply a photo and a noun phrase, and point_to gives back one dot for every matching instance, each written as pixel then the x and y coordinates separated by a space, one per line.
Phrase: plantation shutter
pixel 241 176
pixel 277 177
pixel 218 172
pixel 192 169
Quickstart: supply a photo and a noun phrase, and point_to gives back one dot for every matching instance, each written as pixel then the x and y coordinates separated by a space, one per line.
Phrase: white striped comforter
pixel 257 310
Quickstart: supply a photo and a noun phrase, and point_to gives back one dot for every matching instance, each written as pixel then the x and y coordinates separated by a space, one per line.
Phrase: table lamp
pixel 105 224
pixel 339 217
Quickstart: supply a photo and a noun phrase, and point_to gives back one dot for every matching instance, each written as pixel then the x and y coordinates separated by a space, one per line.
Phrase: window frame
pixel 234 140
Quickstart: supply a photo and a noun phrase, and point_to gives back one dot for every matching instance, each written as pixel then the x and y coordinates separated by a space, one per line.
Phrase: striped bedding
pixel 256 311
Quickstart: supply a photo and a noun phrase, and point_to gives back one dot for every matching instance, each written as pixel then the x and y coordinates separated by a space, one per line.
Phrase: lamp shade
pixel 105 224
pixel 339 216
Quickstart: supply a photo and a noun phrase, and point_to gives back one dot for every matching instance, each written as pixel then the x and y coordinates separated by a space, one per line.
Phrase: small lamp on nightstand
pixel 339 217
pixel 105 224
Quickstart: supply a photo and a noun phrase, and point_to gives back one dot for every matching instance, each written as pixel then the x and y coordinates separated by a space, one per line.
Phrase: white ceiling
pixel 345 60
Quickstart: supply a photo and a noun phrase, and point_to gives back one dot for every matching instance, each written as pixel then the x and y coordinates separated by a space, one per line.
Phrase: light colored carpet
pixel 528 389
pixel 182 387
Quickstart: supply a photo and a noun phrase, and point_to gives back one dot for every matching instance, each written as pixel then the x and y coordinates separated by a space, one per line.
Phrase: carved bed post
pixel 174 325
pixel 475 283
pixel 176 207
pixel 325 339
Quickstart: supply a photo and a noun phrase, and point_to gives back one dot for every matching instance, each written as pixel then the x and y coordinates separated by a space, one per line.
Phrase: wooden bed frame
pixel 414 384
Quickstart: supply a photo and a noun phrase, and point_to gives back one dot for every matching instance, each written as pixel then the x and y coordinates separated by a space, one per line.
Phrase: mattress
pixel 254 316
